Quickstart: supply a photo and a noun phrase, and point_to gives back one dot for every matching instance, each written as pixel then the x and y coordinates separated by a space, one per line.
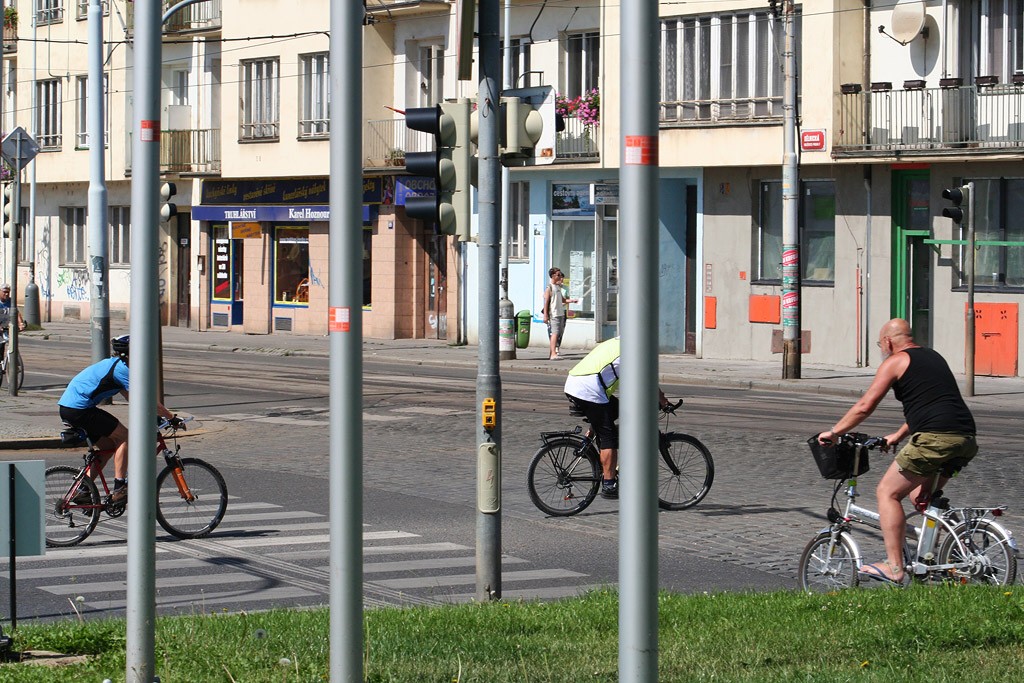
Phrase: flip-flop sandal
pixel 870 571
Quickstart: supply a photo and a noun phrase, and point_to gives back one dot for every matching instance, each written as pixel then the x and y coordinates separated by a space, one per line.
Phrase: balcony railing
pixel 194 151
pixel 703 112
pixel 928 121
pixel 202 16
pixel 577 141
pixel 10 39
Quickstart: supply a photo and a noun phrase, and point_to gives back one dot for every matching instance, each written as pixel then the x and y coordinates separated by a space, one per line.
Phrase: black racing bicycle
pixel 565 474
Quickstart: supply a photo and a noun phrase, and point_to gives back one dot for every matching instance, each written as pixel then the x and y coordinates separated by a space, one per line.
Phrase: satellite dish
pixel 907 21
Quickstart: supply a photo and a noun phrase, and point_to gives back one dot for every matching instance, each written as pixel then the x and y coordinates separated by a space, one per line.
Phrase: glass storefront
pixel 291 265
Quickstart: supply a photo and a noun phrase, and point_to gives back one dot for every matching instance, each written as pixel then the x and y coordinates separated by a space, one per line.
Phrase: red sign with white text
pixel 812 140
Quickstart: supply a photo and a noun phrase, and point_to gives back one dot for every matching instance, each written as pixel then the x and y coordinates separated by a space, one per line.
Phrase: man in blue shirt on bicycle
pixel 941 429
pixel 78 408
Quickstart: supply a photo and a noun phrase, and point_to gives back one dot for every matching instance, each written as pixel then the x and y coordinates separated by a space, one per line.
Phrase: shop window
pixel 223 258
pixel 291 266
pixel 572 250
pixel 817 226
pixel 996 201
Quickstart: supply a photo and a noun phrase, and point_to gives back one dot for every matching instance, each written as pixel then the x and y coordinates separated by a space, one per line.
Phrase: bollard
pixel 32 304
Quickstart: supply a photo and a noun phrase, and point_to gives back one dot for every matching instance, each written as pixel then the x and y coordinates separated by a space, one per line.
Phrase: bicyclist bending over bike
pixel 590 388
pixel 78 407
pixel 940 426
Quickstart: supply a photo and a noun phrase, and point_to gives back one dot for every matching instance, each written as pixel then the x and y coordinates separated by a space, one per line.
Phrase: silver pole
pixel 141 608
pixel 34 130
pixel 790 206
pixel 638 521
pixel 98 231
pixel 969 268
pixel 488 383
pixel 12 333
pixel 346 336
pixel 506 309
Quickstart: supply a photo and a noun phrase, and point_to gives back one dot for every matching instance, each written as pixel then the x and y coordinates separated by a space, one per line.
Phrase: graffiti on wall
pixel 313 279
pixel 163 271
pixel 43 263
pixel 75 282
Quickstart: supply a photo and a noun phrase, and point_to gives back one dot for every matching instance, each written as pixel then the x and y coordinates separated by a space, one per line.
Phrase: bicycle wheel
pixel 685 472
pixel 989 558
pixel 66 523
pixel 827 566
pixel 200 509
pixel 562 483
pixel 20 375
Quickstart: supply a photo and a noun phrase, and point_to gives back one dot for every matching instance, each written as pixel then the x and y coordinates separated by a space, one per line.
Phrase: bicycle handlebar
pixel 855 439
pixel 671 408
pixel 174 424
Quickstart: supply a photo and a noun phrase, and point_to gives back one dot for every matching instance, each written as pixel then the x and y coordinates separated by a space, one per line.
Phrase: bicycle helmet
pixel 120 345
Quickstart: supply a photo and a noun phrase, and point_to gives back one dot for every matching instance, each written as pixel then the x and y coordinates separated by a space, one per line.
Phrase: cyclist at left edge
pixel 78 408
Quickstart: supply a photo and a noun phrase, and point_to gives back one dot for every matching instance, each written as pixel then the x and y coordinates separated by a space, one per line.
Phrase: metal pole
pixel 13 331
pixel 141 604
pixel 969 272
pixel 638 234
pixel 11 486
pixel 506 309
pixel 790 207
pixel 34 130
pixel 98 242
pixel 488 382
pixel 346 336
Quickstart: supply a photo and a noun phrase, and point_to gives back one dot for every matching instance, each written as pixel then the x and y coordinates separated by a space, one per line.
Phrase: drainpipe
pixel 867 267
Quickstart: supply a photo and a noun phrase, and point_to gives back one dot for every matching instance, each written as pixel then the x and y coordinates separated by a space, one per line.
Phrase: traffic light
pixel 450 165
pixel 528 137
pixel 11 209
pixel 168 209
pixel 961 199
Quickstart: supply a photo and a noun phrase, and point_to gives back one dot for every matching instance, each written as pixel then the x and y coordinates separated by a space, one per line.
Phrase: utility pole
pixel 969 272
pixel 98 230
pixel 506 309
pixel 790 210
pixel 488 383
pixel 345 331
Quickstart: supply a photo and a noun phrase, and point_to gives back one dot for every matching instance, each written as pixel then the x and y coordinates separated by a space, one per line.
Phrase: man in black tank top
pixel 940 426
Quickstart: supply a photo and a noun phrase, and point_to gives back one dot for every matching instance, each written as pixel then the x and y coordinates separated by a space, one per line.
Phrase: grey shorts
pixel 928 453
pixel 556 326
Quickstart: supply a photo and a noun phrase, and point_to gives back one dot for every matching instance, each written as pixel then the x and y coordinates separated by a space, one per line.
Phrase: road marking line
pixel 374 550
pixel 316 538
pixel 280 593
pixel 165 582
pixel 468 579
pixel 553 593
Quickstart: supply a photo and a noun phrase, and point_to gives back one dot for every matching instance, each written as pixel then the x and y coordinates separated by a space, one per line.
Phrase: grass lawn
pixel 930 635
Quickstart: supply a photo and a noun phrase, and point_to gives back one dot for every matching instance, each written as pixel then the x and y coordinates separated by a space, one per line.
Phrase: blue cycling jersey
pixel 95 384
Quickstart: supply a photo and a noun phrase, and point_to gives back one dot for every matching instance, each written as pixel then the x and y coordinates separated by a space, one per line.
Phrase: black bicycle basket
pixel 836 461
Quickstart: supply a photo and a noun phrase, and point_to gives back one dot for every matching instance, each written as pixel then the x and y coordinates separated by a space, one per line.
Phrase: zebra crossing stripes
pixel 264 555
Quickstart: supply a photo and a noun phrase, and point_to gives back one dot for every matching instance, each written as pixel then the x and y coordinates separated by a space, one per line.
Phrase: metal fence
pixel 724 110
pixel 932 119
pixel 577 141
pixel 195 151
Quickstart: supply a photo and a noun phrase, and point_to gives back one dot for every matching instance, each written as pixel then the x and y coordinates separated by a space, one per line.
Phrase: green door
pixel 911 257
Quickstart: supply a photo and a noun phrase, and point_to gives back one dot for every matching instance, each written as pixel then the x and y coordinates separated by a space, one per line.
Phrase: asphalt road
pixel 265 424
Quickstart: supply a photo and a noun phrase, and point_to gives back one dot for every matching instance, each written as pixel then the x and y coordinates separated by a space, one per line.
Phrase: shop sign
pixel 604 193
pixel 571 200
pixel 246 231
pixel 412 186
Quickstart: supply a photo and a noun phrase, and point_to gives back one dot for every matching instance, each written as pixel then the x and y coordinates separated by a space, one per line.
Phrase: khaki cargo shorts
pixel 930 452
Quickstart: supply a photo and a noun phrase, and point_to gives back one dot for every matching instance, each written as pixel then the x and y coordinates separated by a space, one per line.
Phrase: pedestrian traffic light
pixel 450 165
pixel 10 209
pixel 528 136
pixel 961 199
pixel 168 209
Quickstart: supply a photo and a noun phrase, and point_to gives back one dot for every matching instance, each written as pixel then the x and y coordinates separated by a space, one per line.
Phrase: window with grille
pixel 260 99
pixel 120 251
pixel 314 96
pixel 48 114
pixel 72 236
pixel 725 66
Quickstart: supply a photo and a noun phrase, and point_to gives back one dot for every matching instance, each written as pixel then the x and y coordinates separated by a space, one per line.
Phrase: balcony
pixel 984 118
pixel 391 9
pixel 386 141
pixel 684 113
pixel 186 152
pixel 10 39
pixel 202 16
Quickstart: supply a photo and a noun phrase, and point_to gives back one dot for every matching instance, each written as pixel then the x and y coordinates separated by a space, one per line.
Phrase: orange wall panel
pixel 996 333
pixel 710 312
pixel 765 308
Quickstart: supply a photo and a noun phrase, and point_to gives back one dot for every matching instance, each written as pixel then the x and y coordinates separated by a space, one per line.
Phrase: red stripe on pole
pixel 150 131
pixel 641 150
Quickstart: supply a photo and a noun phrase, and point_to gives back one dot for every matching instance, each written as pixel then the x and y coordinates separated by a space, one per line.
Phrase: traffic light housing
pixel 11 209
pixel 960 197
pixel 168 209
pixel 450 165
pixel 531 124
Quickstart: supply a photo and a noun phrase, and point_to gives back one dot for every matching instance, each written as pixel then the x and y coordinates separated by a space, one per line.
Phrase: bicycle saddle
pixel 72 436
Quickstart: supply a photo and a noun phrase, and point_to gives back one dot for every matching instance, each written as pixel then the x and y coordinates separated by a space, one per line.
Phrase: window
pixel 573 250
pixel 260 98
pixel 722 66
pixel 72 238
pixel 291 266
pixel 428 74
pixel 314 96
pixel 48 118
pixel 82 113
pixel 120 235
pixel 581 63
pixel 49 11
pixel 992 32
pixel 10 90
pixel 26 250
pixel 817 226
pixel 519 230
pixel 227 280
pixel 82 11
pixel 998 203
pixel 519 51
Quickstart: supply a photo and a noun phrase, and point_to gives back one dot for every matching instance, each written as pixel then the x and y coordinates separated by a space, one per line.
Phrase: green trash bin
pixel 523 329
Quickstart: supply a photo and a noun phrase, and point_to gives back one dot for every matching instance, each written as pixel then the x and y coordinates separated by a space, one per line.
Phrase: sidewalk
pixel 29 420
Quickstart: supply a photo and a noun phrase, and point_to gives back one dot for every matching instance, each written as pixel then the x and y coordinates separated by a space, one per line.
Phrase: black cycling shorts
pixel 602 417
pixel 96 423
